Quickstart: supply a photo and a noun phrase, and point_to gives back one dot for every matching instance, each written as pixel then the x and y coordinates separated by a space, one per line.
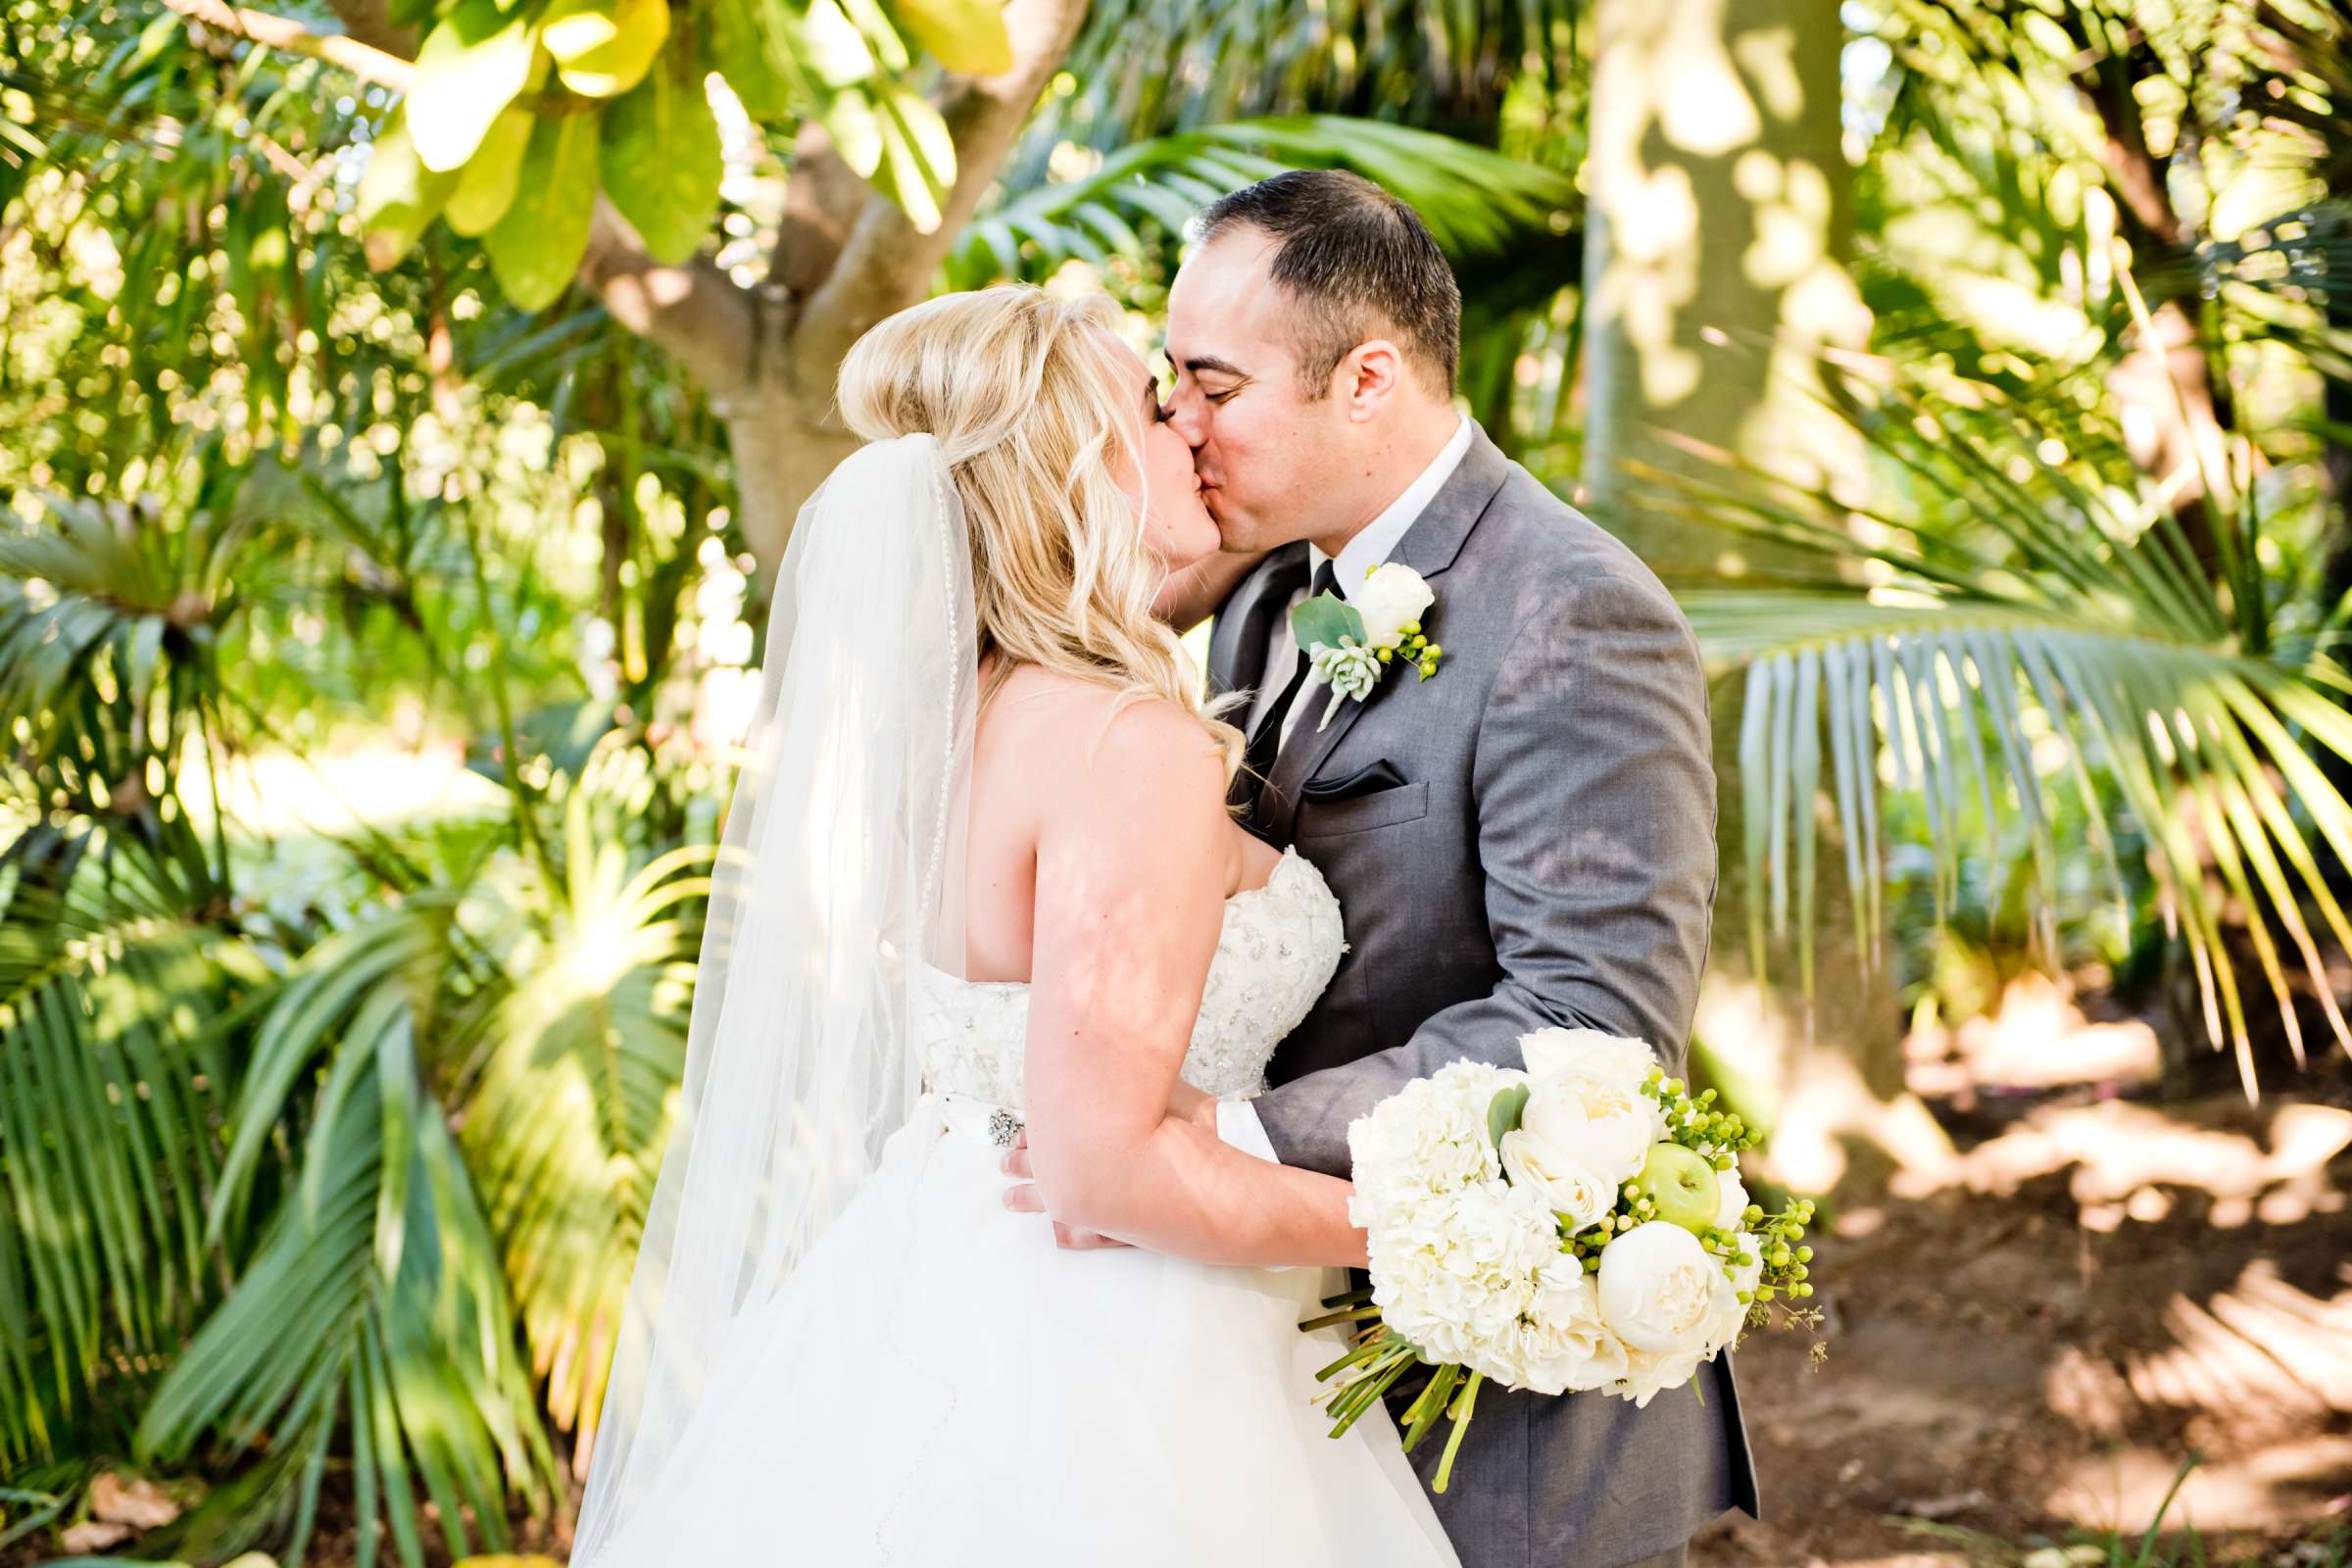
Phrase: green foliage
pixel 1476 202
pixel 2024 597
pixel 536 247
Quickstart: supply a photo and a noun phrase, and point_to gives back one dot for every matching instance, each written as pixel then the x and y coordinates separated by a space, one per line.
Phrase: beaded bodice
pixel 1277 951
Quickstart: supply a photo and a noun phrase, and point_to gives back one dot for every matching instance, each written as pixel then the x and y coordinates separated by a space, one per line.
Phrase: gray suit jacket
pixel 1525 839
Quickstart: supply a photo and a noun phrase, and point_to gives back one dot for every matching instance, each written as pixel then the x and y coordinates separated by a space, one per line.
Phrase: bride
pixel 979 881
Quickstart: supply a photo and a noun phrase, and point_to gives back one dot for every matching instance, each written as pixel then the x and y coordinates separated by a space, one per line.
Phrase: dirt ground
pixel 2030 1349
pixel 2028 1344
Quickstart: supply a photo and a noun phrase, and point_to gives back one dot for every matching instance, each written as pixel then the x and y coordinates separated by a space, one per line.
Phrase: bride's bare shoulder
pixel 1074 735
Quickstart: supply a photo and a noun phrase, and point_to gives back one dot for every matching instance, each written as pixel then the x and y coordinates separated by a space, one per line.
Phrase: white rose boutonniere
pixel 1349 646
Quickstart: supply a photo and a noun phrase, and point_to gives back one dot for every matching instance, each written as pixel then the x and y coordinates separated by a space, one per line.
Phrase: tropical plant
pixel 2036 585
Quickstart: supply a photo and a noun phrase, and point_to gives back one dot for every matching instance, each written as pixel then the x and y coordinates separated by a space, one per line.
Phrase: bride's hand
pixel 1185 1104
pixel 1023 1199
pixel 1192 591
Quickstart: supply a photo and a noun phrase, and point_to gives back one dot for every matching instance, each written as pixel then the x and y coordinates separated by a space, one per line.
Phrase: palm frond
pixel 566 1120
pixel 1475 200
pixel 112 998
pixel 2031 614
pixel 375 1264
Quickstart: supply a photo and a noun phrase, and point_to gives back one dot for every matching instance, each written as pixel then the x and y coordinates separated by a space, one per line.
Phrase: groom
pixel 1527 838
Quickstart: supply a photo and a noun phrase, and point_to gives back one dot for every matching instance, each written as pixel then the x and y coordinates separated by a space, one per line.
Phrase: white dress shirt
pixel 1237 1122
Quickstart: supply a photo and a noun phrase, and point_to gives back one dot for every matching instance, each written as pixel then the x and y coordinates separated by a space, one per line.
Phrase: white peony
pixel 1603 1124
pixel 1649 1374
pixel 1568 1188
pixel 1661 1293
pixel 1391 595
pixel 1610 1057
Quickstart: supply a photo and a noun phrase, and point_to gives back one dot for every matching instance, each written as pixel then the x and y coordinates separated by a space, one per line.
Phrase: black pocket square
pixel 1366 780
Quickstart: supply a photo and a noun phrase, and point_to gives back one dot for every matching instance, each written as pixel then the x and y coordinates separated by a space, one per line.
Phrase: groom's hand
pixel 1023 1200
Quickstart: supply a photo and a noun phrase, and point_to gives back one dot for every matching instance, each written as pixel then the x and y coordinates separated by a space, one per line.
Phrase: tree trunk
pixel 765 357
pixel 1715 275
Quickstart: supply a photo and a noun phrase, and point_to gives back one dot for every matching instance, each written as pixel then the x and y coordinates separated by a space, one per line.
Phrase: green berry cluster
pixel 1633 1208
pixel 1785 1256
pixel 1721 1138
pixel 1694 1123
pixel 1415 649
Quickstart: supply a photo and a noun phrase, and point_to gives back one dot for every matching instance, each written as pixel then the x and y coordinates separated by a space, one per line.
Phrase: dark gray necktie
pixel 1265 741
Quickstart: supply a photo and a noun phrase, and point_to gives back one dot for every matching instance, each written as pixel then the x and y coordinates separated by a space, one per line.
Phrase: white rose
pixel 1611 1058
pixel 1601 1124
pixel 1567 1188
pixel 1389 597
pixel 1731 1213
pixel 1730 1315
pixel 1659 1290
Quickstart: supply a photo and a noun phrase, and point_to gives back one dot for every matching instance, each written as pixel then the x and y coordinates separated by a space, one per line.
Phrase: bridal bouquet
pixel 1579 1225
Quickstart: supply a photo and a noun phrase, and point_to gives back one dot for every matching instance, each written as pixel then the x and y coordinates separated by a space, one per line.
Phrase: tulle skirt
pixel 938 1384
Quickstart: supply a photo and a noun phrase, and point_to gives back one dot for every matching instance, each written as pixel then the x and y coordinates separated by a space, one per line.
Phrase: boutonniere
pixel 1351 646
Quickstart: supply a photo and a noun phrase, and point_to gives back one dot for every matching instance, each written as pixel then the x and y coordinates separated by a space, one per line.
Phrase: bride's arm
pixel 1193 592
pixel 1130 899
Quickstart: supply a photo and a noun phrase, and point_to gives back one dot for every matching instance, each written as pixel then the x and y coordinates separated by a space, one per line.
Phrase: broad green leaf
pixel 933 142
pixel 487 183
pixel 902 174
pixel 604 51
pixel 537 248
pixel 857 132
pixel 572 27
pixel 1325 619
pixel 662 163
pixel 398 195
pixel 738 51
pixel 1503 1110
pixel 966 35
pixel 470 67
pixel 830 45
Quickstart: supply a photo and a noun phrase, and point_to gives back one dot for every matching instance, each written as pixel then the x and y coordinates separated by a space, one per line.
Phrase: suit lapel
pixel 1245 625
pixel 1428 547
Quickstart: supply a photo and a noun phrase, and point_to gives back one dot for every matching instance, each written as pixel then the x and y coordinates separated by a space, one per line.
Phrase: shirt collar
pixel 1379 538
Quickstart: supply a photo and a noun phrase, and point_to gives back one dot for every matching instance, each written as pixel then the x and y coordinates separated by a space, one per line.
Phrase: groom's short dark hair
pixel 1350 253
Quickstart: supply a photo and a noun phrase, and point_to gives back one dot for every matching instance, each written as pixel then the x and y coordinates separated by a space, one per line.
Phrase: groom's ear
pixel 1373 372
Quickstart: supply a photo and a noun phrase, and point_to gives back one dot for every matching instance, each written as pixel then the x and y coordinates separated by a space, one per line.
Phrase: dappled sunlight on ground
pixel 2029 1341
pixel 2128 1161
pixel 2036 1038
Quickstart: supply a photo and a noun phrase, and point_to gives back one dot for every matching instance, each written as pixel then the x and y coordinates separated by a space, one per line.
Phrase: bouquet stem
pixel 1463 1408
pixel 1355 1315
pixel 1429 1405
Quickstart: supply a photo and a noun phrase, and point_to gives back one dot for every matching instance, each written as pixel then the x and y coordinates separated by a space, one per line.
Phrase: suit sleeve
pixel 1595 793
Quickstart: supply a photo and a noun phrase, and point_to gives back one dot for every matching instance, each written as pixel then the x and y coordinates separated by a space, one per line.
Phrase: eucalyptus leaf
pixel 1326 618
pixel 1504 1109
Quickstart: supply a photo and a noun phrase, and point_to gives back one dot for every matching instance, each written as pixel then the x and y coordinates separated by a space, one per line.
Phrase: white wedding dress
pixel 937 1384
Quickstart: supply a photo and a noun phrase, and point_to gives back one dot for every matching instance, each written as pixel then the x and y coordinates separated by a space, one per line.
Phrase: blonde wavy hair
pixel 1014 385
